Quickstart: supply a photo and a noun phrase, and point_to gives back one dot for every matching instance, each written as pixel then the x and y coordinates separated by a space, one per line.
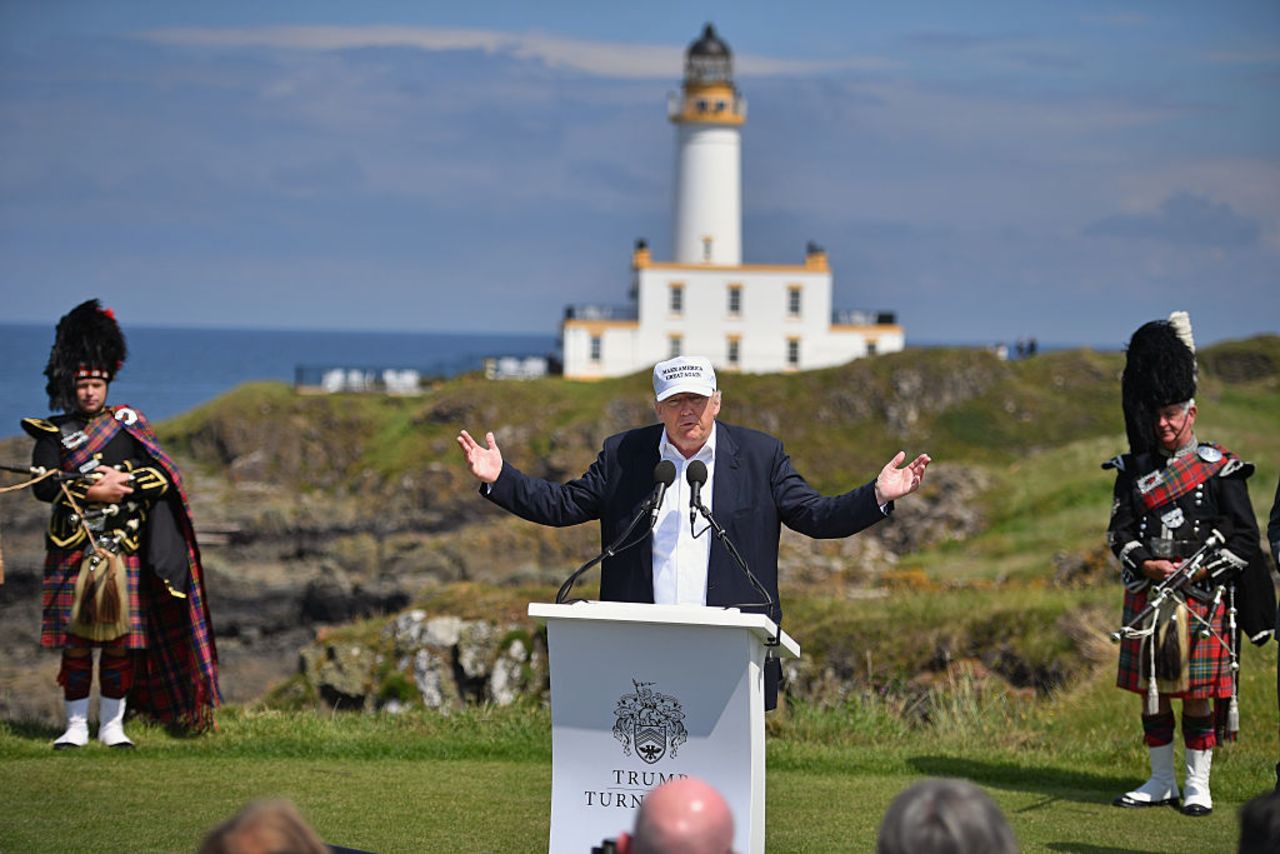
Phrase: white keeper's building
pixel 756 318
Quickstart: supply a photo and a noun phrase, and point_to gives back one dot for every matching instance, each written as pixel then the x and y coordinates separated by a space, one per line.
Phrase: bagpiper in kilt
pixel 122 569
pixel 1273 537
pixel 1184 532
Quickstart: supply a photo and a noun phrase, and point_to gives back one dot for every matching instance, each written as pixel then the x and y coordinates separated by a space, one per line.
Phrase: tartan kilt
pixel 1210 665
pixel 176 682
pixel 57 590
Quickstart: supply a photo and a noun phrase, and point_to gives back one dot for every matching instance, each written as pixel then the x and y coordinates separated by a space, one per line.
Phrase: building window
pixel 732 352
pixel 674 344
pixel 793 352
pixel 793 301
pixel 596 347
pixel 677 299
pixel 735 300
pixel 707 243
pixel 871 347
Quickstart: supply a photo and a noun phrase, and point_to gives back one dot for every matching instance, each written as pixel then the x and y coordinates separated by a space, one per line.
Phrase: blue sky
pixel 987 170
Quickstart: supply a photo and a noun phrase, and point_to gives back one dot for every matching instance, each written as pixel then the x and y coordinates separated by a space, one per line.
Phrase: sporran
pixel 1173 649
pixel 99 609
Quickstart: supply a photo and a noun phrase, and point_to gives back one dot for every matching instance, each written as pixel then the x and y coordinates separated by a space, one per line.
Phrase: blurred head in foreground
pixel 264 827
pixel 685 816
pixel 1260 824
pixel 944 817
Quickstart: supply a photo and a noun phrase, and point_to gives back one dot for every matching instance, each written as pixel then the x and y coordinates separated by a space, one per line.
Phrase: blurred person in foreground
pixel 1260 825
pixel 939 816
pixel 1177 498
pixel 747 481
pixel 122 571
pixel 264 827
pixel 685 816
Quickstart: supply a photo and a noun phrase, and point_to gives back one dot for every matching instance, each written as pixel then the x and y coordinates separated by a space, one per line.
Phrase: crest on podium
pixel 649 723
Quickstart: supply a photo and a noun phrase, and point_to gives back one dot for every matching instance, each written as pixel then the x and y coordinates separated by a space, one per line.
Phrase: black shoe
pixel 65 745
pixel 1129 803
pixel 1196 810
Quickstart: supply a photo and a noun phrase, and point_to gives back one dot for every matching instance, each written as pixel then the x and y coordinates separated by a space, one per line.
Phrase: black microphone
pixel 696 474
pixel 664 474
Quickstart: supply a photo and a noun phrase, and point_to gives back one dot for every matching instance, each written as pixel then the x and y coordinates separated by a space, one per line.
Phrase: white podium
pixel 641 694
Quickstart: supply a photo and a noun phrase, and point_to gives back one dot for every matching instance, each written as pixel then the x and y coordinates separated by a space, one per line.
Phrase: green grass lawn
pixel 100 802
pixel 481 780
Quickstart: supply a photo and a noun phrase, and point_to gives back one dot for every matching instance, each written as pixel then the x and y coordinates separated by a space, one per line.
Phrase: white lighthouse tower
pixel 708 114
pixel 750 318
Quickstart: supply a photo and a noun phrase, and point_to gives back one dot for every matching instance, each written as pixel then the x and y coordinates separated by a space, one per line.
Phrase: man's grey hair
pixel 940 816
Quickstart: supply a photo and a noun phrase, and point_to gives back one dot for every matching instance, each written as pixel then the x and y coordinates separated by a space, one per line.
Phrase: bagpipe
pixel 1174 591
pixel 1174 585
pixel 98 610
pixel 39 473
pixel 96 518
pixel 89 474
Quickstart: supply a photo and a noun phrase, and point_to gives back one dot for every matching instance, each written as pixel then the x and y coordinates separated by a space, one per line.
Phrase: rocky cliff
pixel 317 511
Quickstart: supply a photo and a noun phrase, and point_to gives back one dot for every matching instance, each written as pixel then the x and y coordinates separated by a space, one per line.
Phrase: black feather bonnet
pixel 1159 370
pixel 87 345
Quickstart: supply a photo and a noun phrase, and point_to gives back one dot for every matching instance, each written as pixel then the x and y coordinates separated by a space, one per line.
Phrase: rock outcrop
pixel 447 662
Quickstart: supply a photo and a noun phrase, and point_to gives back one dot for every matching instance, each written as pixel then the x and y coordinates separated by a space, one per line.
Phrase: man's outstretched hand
pixel 893 483
pixel 485 463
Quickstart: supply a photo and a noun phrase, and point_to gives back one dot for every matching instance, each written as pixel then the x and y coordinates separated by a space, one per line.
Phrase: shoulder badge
pixel 37 427
pixel 1209 453
pixel 1236 466
pixel 126 416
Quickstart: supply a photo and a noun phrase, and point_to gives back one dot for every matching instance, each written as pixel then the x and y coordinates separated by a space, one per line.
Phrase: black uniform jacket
pixel 1221 503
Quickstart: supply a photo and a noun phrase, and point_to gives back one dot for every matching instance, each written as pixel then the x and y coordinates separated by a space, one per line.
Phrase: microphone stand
pixel 723 537
pixel 610 550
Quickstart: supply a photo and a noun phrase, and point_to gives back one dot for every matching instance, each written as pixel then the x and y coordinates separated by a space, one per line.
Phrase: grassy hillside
pixel 840 424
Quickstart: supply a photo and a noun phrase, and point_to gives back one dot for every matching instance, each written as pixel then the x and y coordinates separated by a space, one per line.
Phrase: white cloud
pixel 1245 57
pixel 1250 185
pixel 602 58
pixel 1118 19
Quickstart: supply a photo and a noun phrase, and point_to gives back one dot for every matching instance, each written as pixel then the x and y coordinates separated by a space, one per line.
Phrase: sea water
pixel 172 370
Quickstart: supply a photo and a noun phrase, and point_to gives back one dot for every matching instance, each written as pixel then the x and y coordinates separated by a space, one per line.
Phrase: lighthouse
pixel 747 318
pixel 708 113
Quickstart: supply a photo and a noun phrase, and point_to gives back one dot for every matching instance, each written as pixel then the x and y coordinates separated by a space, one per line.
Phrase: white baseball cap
pixel 684 374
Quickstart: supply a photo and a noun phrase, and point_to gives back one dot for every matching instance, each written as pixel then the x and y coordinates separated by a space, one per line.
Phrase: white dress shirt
pixel 680 559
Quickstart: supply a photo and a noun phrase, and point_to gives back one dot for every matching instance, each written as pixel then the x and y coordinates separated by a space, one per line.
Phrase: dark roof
pixel 709 45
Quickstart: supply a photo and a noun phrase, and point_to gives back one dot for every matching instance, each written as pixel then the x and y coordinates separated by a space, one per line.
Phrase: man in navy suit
pixel 751 490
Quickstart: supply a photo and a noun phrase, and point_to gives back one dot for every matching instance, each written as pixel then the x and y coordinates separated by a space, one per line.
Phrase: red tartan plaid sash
pixel 99 431
pixel 141 430
pixel 1182 475
pixel 182 667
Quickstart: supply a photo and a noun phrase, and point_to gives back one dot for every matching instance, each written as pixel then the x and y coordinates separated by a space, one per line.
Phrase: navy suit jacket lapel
pixel 726 499
pixel 646 455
